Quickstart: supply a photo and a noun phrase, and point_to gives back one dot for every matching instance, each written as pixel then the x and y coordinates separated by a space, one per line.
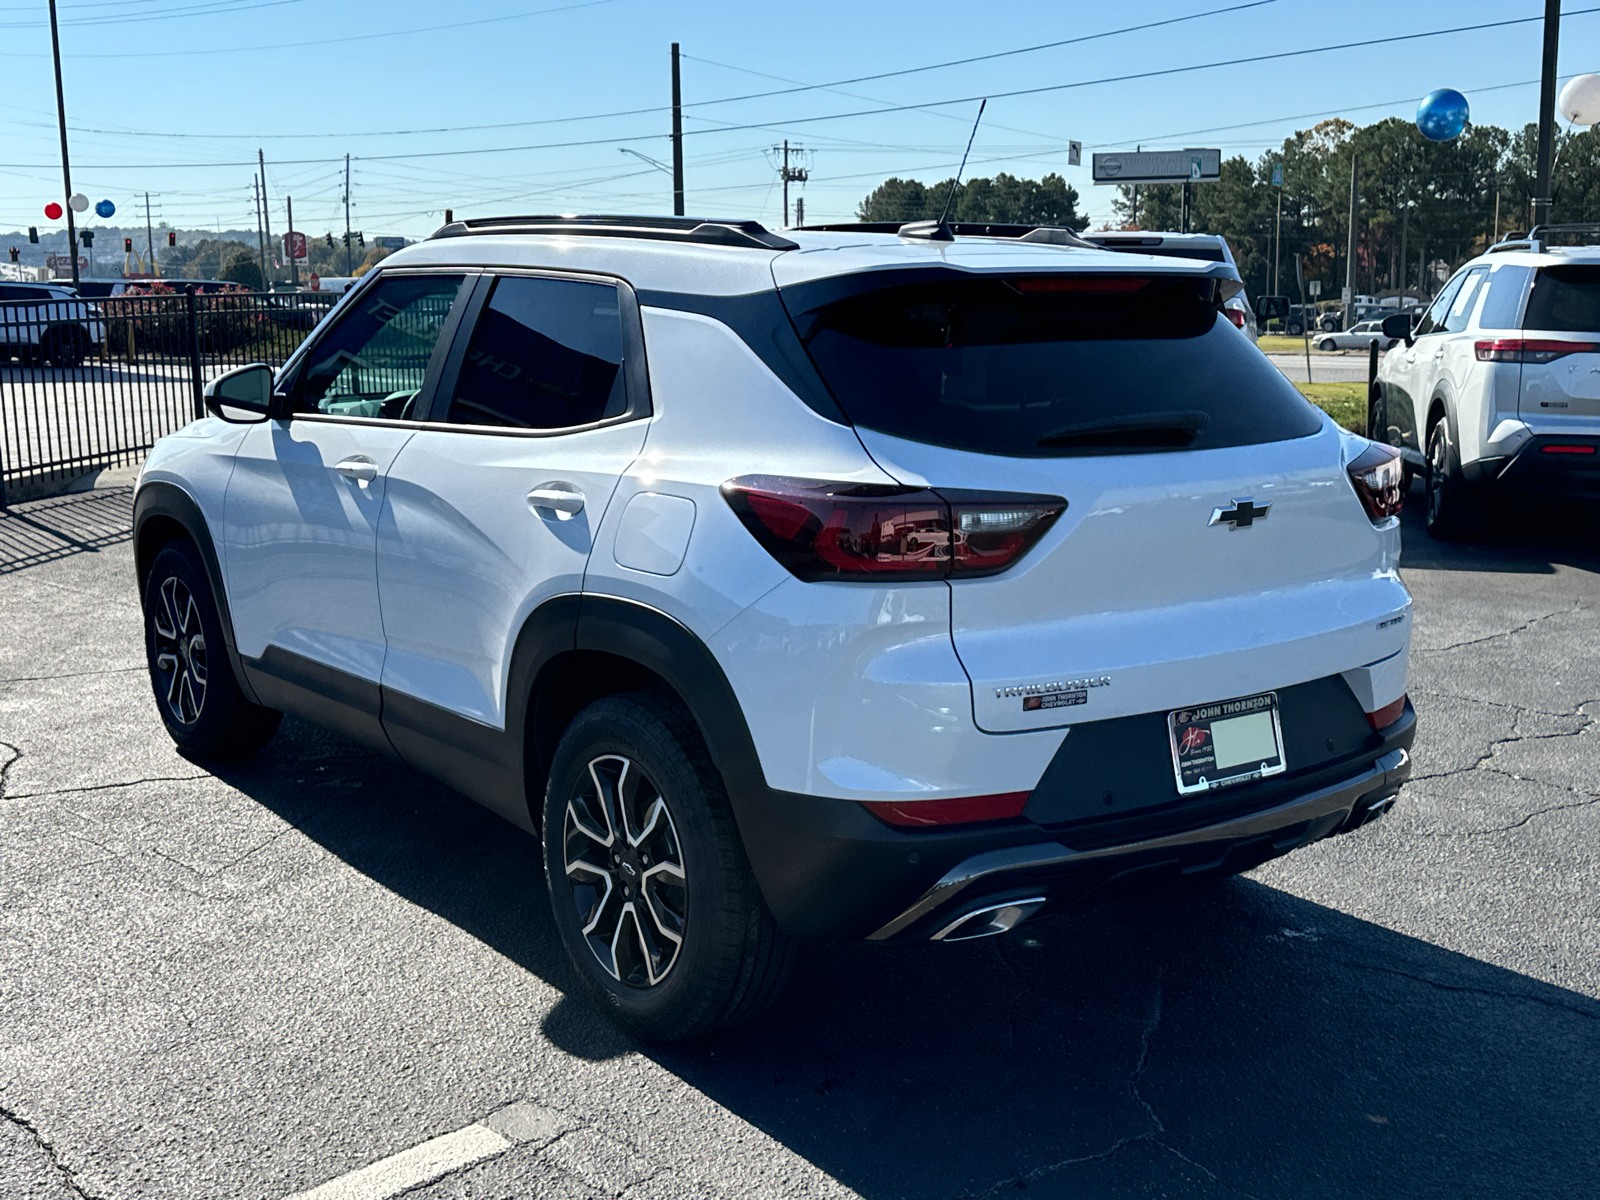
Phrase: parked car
pixel 47 323
pixel 764 586
pixel 1495 389
pixel 1357 337
pixel 1204 247
pixel 299 310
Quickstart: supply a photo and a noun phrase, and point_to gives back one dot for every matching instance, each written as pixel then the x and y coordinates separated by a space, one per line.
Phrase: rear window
pixel 1565 300
pixel 1041 366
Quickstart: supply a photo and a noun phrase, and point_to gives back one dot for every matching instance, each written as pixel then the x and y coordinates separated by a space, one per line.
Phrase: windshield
pixel 1051 365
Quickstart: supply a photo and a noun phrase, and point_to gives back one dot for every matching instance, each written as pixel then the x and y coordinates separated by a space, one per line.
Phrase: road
pixel 1346 366
pixel 248 981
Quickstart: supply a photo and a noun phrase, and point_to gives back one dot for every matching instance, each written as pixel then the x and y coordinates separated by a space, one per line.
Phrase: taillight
pixel 1567 449
pixel 1388 714
pixel 1378 476
pixel 963 810
pixel 1236 315
pixel 821 531
pixel 1524 350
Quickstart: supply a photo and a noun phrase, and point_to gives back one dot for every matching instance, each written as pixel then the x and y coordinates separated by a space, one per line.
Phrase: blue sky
pixel 176 96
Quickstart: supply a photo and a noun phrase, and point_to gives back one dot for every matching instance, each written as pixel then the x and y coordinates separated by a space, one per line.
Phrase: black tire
pixel 730 960
pixel 1453 511
pixel 1295 330
pixel 1377 415
pixel 64 346
pixel 1327 344
pixel 196 693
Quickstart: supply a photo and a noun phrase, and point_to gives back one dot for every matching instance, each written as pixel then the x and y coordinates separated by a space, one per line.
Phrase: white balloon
pixel 79 202
pixel 1580 100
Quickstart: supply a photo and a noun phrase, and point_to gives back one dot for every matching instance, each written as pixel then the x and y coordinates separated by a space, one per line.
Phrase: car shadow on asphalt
pixel 1233 1039
pixel 1522 535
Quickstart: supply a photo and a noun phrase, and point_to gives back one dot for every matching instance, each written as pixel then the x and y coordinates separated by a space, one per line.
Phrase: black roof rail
pixel 749 234
pixel 1057 235
pixel 1537 238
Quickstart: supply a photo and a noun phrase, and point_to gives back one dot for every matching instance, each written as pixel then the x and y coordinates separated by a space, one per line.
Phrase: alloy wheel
pixel 180 650
pixel 1438 464
pixel 624 862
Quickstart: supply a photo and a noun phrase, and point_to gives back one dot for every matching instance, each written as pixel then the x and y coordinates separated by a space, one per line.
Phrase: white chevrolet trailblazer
pixel 1497 389
pixel 831 584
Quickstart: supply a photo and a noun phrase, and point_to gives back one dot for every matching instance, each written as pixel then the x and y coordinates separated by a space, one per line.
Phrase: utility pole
pixel 1350 264
pixel 66 169
pixel 288 240
pixel 149 237
pixel 266 221
pixel 677 135
pixel 800 212
pixel 1547 111
pixel 1496 236
pixel 1277 242
pixel 1136 224
pixel 790 175
pixel 261 242
pixel 347 268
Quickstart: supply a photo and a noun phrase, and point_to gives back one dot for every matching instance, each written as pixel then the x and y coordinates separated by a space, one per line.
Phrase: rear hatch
pixel 1560 350
pixel 1212 546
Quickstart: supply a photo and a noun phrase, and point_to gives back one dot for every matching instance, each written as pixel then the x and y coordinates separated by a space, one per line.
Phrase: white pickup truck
pixel 47 323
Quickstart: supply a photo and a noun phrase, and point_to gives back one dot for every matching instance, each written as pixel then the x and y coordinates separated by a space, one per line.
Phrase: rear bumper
pixel 1536 467
pixel 828 869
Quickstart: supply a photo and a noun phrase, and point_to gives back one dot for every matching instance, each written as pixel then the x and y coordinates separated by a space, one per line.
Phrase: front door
pixel 492 506
pixel 301 515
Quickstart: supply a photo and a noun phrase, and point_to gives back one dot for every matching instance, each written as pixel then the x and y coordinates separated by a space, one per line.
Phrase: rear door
pixel 491 508
pixel 1173 442
pixel 1561 389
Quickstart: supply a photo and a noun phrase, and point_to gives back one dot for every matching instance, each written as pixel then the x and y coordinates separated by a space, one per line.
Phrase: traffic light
pixel 86 237
pixel 172 237
pixel 15 254
pixel 330 241
pixel 361 239
pixel 127 245
pixel 33 234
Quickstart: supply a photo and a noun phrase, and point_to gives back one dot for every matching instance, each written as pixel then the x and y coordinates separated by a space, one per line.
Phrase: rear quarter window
pixel 1050 366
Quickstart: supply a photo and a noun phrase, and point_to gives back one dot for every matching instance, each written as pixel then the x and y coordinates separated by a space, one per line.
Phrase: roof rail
pixel 749 234
pixel 1055 235
pixel 1537 239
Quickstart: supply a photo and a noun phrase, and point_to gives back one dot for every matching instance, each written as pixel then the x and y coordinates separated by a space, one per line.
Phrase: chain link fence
pixel 87 384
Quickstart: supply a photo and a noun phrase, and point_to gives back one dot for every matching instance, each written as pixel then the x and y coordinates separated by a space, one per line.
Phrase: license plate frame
pixel 1191 734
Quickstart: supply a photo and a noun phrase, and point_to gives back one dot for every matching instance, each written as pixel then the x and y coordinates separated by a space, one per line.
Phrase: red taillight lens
pixel 1524 350
pixel 1567 449
pixel 963 810
pixel 822 531
pixel 1236 315
pixel 1378 476
pixel 1388 714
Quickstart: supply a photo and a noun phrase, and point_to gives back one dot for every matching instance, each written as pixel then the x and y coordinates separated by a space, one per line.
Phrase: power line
pixel 210 8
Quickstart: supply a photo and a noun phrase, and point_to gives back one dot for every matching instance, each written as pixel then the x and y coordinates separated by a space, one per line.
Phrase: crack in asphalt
pixel 1523 628
pixel 71 675
pixel 5 767
pixel 1575 711
pixel 1465 988
pixel 69 1177
pixel 1149 1030
pixel 103 787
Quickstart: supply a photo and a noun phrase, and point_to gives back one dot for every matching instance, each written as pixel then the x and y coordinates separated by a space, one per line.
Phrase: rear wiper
pixel 1153 429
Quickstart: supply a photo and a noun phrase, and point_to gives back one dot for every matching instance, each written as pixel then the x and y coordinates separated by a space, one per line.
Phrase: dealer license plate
pixel 1231 741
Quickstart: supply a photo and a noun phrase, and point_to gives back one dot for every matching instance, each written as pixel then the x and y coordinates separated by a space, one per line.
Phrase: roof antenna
pixel 939 231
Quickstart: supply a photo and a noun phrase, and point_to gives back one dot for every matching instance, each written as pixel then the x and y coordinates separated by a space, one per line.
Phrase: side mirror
pixel 1272 308
pixel 1398 327
pixel 241 396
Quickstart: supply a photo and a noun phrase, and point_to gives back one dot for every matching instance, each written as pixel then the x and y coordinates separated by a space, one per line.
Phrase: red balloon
pixel 53 211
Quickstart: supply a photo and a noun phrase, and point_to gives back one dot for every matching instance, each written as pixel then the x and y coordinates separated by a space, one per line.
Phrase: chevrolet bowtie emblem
pixel 1242 515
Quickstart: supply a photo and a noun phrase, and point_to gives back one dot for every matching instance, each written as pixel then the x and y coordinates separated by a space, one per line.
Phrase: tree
pixel 1003 200
pixel 242 267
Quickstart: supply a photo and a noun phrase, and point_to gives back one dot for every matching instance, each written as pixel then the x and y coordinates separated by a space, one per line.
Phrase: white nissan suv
pixel 839 584
pixel 1498 386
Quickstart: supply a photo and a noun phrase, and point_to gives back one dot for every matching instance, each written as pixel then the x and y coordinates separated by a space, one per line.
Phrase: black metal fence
pixel 87 384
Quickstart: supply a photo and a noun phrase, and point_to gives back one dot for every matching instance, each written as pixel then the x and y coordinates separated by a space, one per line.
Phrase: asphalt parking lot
pixel 252 980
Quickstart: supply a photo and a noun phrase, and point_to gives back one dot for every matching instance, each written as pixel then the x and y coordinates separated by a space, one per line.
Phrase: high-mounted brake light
pixel 1378 476
pixel 822 531
pixel 1091 284
pixel 963 810
pixel 1526 350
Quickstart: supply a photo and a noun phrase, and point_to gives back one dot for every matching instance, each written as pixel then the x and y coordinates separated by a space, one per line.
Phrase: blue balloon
pixel 1442 115
pixel 105 208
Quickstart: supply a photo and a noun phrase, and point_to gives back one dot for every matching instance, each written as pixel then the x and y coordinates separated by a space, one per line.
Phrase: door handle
pixel 358 467
pixel 562 499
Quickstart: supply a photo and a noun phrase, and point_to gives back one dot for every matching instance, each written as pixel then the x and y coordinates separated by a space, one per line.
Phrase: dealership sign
pixel 1159 166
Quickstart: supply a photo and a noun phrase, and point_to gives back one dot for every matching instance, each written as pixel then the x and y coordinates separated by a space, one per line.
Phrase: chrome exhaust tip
pixel 989 920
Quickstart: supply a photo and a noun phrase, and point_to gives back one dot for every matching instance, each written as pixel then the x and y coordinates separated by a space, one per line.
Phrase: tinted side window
pixel 374 361
pixel 1565 300
pixel 1502 297
pixel 545 354
pixel 1461 309
pixel 1433 319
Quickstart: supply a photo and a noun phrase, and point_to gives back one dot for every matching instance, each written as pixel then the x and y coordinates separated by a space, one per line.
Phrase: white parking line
pixel 438 1157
